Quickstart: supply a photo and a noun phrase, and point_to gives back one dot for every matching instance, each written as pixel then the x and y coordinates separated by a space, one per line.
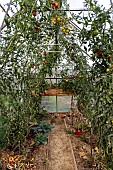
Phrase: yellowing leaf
pixel 32 142
pixel 85 157
pixel 82 154
pixel 96 149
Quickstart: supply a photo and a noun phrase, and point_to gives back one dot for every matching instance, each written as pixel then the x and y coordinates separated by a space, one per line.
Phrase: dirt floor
pixel 60 157
pixel 41 158
pixel 58 152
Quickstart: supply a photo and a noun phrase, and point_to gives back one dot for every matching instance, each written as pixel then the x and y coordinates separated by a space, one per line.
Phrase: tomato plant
pixel 36 40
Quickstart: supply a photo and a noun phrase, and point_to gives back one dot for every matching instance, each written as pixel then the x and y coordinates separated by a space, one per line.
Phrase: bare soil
pixel 41 158
pixel 85 146
pixel 56 154
pixel 60 157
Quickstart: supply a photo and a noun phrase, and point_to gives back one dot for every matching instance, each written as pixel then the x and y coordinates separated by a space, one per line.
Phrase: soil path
pixel 60 157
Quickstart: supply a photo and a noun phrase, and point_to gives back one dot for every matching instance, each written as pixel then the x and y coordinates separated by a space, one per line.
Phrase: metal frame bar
pixel 59 78
pixel 5 15
pixel 111 2
pixel 73 10
pixel 4 10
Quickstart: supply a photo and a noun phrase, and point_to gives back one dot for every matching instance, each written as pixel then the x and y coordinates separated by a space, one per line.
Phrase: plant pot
pixel 78 132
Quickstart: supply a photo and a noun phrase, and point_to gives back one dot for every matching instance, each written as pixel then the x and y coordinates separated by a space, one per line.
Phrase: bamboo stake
pixel 91 134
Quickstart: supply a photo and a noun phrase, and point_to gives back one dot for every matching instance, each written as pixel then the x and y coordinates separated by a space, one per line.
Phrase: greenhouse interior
pixel 56 85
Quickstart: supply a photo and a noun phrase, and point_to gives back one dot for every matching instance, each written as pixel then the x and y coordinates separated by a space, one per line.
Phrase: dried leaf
pixel 32 142
pixel 85 157
pixel 82 154
pixel 96 149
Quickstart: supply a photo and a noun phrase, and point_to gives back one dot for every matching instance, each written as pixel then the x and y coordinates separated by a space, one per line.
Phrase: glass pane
pixel 49 103
pixel 64 103
pixel 56 104
pixel 74 4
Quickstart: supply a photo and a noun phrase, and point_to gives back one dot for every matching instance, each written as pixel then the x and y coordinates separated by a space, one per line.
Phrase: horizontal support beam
pixel 53 51
pixel 60 78
pixel 49 44
pixel 73 10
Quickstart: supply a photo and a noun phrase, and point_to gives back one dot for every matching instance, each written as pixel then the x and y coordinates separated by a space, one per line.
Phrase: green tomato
pixel 100 88
pixel 95 33
pixel 29 26
pixel 107 70
pixel 93 7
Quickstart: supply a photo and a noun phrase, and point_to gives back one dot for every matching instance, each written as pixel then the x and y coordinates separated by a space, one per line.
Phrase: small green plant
pixel 43 127
pixel 78 125
pixel 41 138
pixel 41 132
pixel 68 131
pixel 3 127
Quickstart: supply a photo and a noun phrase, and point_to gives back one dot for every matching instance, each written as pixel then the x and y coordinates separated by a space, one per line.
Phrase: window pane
pixel 64 103
pixel 49 103
pixel 56 104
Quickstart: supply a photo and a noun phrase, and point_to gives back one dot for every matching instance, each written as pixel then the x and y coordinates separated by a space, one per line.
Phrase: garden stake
pixel 91 134
pixel 72 110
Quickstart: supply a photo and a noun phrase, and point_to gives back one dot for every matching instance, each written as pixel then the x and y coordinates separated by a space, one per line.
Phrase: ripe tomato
pixel 44 53
pixel 32 66
pixel 55 5
pixel 78 132
pixel 34 13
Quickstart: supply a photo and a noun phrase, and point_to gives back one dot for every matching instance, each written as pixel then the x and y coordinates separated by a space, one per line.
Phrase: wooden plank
pixel 75 164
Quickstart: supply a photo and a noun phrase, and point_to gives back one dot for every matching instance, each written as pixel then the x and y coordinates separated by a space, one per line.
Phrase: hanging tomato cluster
pixel 54 4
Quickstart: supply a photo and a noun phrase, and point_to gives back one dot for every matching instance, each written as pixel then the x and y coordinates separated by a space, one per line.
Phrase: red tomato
pixel 32 66
pixel 44 53
pixel 78 132
pixel 55 5
pixel 34 13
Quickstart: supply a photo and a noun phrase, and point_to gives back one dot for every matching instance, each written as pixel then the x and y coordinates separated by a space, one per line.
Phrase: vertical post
pixel 56 93
pixel 56 55
pixel 91 135
pixel 111 3
pixel 72 110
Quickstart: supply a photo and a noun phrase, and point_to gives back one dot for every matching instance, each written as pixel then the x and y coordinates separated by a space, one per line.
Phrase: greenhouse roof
pixel 74 5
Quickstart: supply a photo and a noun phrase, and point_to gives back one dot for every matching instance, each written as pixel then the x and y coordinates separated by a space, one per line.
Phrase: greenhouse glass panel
pixel 49 103
pixel 64 103
pixel 56 103
pixel 74 4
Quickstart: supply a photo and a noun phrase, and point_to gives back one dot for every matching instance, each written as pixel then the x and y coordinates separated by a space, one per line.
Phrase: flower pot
pixel 78 132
